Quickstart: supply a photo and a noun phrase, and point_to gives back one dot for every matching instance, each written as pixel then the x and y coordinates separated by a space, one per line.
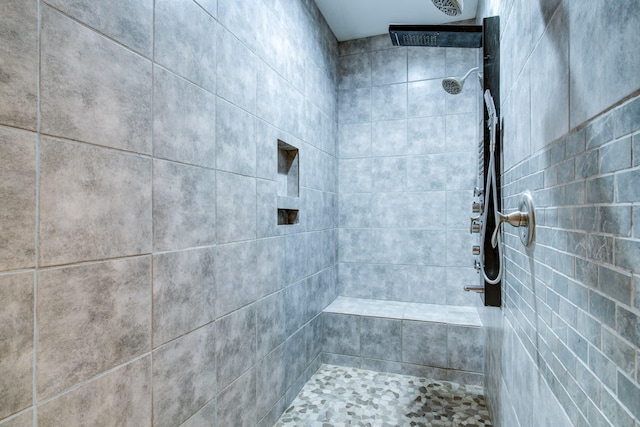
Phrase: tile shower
pixel 146 280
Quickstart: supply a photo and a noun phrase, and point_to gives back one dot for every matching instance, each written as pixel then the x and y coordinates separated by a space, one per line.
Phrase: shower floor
pixel 341 396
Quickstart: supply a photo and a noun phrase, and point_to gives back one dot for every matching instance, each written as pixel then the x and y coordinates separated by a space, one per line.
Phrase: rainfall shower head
pixel 449 7
pixel 453 85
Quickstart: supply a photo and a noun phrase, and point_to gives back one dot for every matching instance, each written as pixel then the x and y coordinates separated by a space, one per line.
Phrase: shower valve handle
pixel 524 218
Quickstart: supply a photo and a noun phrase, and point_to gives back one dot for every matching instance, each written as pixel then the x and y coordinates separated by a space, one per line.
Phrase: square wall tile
pixel 389 66
pixel 354 71
pixel 184 121
pixel 16 335
pixel 465 348
pixel 184 206
pixel 237 71
pixel 185 41
pixel 127 21
pixel 235 139
pixel 122 397
pixel 381 338
pixel 235 276
pixel 235 345
pixel 85 76
pixel 91 318
pixel 341 334
pixel 184 376
pixel 18 195
pixel 19 86
pixel 236 207
pixel 184 292
pixel 424 343
pixel 95 203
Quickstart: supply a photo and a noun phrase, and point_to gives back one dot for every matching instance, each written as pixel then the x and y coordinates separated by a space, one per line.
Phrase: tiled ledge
pixel 450 314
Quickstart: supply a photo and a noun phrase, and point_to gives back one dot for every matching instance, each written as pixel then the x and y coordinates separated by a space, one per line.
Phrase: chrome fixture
pixel 476 250
pixel 476 207
pixel 476 225
pixel 449 7
pixel 453 85
pixel 478 289
pixel 525 218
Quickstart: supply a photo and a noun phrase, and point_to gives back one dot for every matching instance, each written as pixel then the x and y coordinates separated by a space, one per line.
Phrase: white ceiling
pixel 354 19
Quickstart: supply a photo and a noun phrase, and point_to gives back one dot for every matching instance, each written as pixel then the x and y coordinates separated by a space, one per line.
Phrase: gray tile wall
pixel 407 170
pixel 143 276
pixel 564 349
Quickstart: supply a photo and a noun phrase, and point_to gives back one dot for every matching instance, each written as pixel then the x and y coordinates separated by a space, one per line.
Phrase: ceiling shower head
pixel 449 7
pixel 453 85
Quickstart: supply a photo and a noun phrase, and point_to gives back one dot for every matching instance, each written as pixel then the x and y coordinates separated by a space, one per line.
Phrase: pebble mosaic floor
pixel 341 396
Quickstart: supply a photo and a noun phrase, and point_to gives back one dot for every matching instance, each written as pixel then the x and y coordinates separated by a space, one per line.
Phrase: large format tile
pixel 18 50
pixel 235 345
pixel 184 376
pixel 236 140
pixel 237 72
pixel 341 334
pixel 185 41
pixel 424 343
pixel 381 338
pixel 184 121
pixel 270 380
pixel 270 323
pixel 184 292
pixel 16 343
pixel 18 195
pixel 122 397
pixel 86 76
pixel 236 207
pixel 612 74
pixel 465 348
pixel 237 404
pixel 235 276
pixel 184 206
pixel 95 203
pixel 90 319
pixel 205 417
pixel 23 420
pixel 127 21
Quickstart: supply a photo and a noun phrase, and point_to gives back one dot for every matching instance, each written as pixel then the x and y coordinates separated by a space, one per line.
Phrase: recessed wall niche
pixel 288 183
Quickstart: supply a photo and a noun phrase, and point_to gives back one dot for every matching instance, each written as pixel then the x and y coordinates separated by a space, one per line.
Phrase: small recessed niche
pixel 288 170
pixel 287 216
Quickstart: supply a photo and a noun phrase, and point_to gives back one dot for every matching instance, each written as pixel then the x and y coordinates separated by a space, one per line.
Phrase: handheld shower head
pixel 449 7
pixel 453 85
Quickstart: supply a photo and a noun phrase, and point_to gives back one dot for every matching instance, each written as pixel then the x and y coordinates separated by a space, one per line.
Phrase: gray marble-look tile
pixel 297 257
pixel 341 334
pixel 425 284
pixel 465 348
pixel 25 419
pixel 599 131
pixel 235 139
pixel 354 140
pixel 389 138
pixel 355 175
pixel 270 381
pixel 95 203
pixel 426 98
pixel 389 66
pixel 184 206
pixel 184 376
pixel 266 209
pixel 240 18
pixel 16 335
pixel 621 353
pixel 295 359
pixel 18 195
pixel 85 76
pixel 354 106
pixel 550 97
pixel 185 41
pixel 354 210
pixel 128 22
pixel 427 173
pixel 460 60
pixel 628 325
pixel 19 85
pixel 236 207
pixel 625 119
pixel 91 318
pixel 295 303
pixel 458 252
pixel 461 170
pixel 389 174
pixel 626 254
pixel 235 346
pixel 615 156
pixel 205 417
pixel 184 121
pixel 592 88
pixel 235 276
pixel 381 338
pixel 355 245
pixel 625 186
pixel 389 102
pixel 313 336
pixel 270 265
pixel 461 134
pixel 424 343
pixel 270 323
pixel 354 71
pixel 426 135
pixel 629 394
pixel 237 404
pixel 184 292
pixel 122 397
pixel 351 47
pixel 425 64
pixel 290 114
pixel 237 72
pixel 602 308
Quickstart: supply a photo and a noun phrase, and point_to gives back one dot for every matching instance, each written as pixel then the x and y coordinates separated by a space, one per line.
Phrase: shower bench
pixel 442 342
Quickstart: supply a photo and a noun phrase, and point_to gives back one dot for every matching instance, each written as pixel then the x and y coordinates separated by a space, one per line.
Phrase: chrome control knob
pixel 476 250
pixel 476 226
pixel 476 207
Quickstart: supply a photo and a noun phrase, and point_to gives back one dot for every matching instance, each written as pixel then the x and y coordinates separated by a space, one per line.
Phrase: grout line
pixel 37 218
pixel 153 100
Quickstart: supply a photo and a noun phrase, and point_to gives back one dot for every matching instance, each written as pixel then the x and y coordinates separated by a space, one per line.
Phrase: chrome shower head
pixel 449 7
pixel 453 85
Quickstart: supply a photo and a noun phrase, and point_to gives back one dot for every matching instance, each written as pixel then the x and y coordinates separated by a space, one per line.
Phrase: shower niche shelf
pixel 288 182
